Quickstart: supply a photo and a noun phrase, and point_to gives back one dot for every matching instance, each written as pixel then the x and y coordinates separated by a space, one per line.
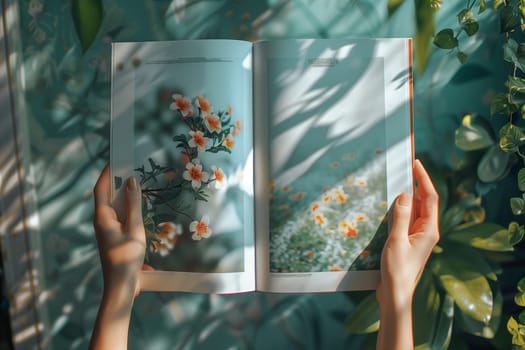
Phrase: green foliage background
pixel 462 300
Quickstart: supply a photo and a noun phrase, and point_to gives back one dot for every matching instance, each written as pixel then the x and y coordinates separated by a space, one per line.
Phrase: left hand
pixel 121 245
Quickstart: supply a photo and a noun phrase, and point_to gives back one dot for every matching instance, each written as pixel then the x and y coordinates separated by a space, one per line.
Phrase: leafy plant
pixel 87 17
pixel 459 288
pixel 501 150
pixel 164 188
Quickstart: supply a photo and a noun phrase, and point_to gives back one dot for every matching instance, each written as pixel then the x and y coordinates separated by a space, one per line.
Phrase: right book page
pixel 333 141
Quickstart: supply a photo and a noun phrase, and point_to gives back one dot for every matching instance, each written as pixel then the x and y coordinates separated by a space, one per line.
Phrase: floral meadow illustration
pixel 328 163
pixel 183 170
pixel 330 229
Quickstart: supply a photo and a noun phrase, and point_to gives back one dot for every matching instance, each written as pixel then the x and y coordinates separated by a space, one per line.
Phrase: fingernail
pixel 132 184
pixel 404 200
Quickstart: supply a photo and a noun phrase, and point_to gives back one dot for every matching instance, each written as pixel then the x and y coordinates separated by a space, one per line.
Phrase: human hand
pixel 404 256
pixel 121 245
pixel 409 242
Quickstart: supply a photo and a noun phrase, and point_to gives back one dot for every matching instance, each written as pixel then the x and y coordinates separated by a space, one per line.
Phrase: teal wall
pixel 67 96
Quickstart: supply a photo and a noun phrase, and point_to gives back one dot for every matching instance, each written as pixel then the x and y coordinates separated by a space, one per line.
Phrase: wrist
pixel 395 299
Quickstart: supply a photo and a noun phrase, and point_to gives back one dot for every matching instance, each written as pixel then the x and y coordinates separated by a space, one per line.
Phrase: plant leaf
pixel 484 236
pixel 517 205
pixel 393 5
pixel 425 315
pixel 453 215
pixel 463 273
pixel 521 179
pixel 425 27
pixel 500 104
pixel 482 6
pixel 474 133
pixel 519 298
pixel 521 285
pixel 508 19
pixel 482 329
pixel 462 57
pixel 365 316
pixel 87 17
pixel 445 39
pixel 511 138
pixel 494 165
pixel 471 26
pixel 516 233
pixel 443 332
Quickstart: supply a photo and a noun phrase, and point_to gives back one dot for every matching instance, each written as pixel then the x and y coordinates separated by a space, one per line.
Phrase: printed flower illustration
pixel 200 229
pixel 347 229
pixel 228 142
pixel 208 132
pixel 158 247
pixel 218 176
pixel 236 130
pixel 182 104
pixel 195 174
pixel 168 233
pixel 204 105
pixel 320 220
pixel 197 140
pixel 339 195
pixel 212 122
pixel 361 218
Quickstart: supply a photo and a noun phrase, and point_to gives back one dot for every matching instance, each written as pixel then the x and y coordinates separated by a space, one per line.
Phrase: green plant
pixel 459 289
pixel 502 150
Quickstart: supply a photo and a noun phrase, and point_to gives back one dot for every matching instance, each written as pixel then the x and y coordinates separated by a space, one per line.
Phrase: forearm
pixel 112 324
pixel 395 332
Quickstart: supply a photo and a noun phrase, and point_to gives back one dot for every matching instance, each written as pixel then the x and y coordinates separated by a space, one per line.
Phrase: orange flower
pixel 314 207
pixel 228 142
pixel 326 198
pixel 229 110
pixel 297 197
pixel 213 123
pixel 360 218
pixel 197 140
pixel 286 188
pixel 335 165
pixel 168 232
pixel 383 204
pixel 160 248
pixel 218 175
pixel 310 255
pixel 334 269
pixel 185 159
pixel 320 220
pixel 195 174
pixel 236 130
pixel 361 183
pixel 182 104
pixel 339 195
pixel 200 229
pixel 347 229
pixel 204 105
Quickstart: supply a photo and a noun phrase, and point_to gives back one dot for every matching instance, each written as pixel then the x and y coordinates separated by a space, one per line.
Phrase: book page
pixel 336 120
pixel 182 125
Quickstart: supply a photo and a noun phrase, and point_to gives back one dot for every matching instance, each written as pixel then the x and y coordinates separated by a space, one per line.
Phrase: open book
pixel 267 166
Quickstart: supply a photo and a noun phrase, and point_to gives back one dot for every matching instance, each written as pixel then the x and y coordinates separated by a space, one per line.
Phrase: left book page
pixel 181 123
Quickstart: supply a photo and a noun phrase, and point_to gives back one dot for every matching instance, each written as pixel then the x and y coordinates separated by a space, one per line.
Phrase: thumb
pixel 133 205
pixel 401 215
